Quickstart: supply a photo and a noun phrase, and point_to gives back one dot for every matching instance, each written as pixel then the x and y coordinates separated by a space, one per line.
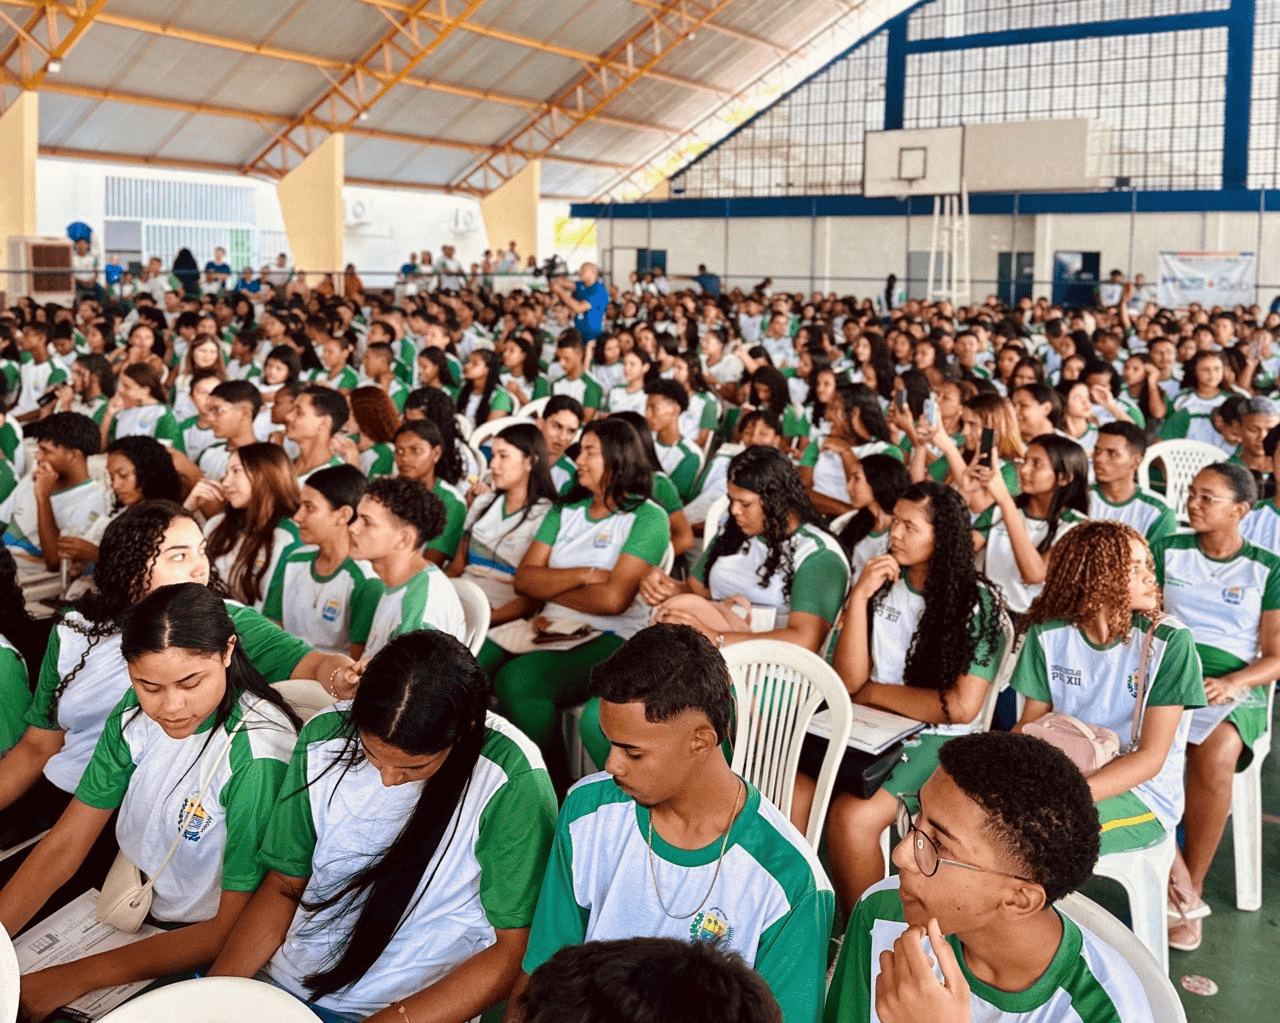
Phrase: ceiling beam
pixel 598 85
pixel 725 30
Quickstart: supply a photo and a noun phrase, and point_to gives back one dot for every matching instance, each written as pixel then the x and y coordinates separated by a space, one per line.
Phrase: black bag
pixel 860 774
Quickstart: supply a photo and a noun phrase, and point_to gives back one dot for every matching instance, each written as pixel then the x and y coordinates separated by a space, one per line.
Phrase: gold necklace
pixel 738 798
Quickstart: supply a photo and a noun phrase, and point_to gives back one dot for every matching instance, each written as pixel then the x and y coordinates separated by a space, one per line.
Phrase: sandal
pixel 1186 935
pixel 1185 904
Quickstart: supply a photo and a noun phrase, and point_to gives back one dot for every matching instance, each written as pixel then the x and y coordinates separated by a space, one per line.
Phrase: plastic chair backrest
pixel 213 1000
pixel 715 512
pixel 475 610
pixel 1182 460
pixel 532 409
pixel 839 522
pixel 306 696
pixel 465 426
pixel 1003 673
pixel 668 559
pixel 1165 1003
pixel 485 432
pixel 777 688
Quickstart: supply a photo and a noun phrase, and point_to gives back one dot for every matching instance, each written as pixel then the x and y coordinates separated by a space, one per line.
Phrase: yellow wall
pixel 511 212
pixel 311 202
pixel 20 143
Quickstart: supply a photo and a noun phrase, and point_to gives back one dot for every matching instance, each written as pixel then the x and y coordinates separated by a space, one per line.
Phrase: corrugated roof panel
pixel 591 26
pixel 103 54
pixel 216 140
pixel 482 63
pixel 385 160
pixel 565 179
pixel 434 166
pixel 598 141
pixel 104 127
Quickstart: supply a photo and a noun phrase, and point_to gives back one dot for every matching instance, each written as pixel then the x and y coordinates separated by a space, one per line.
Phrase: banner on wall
pixel 1210 278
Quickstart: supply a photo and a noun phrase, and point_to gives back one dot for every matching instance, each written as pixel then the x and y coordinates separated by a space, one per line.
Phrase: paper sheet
pixel 874 730
pixel 73 933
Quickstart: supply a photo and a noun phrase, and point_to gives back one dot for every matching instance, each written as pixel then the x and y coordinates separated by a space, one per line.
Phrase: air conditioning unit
pixel 358 211
pixel 466 220
pixel 40 268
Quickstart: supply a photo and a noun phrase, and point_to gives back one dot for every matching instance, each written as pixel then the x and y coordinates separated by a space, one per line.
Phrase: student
pixel 702 415
pixel 336 371
pixel 646 979
pixel 203 354
pixel 665 494
pixel 1005 828
pixel 437 372
pixel 1117 453
pixel 521 375
pixel 318 415
pixel 1191 416
pixel 412 782
pixel 22 640
pixel 379 370
pixel 758 427
pixel 876 483
pixel 1227 591
pixel 255 531
pixel 232 411
pixel 373 452
pixel 586 563
pixel 560 420
pixel 138 409
pixel 457 461
pixel 192 756
pixel 395 520
pixel 36 373
pixel 319 589
pixel 858 428
pixel 57 498
pixel 670 824
pixel 197 433
pixel 606 367
pixel 1016 533
pixel 282 367
pixel 1258 418
pixel 1085 639
pixel 91 386
pixel 630 395
pixel 418 450
pixel 922 638
pixel 577 383
pixel 1261 527
pixel 482 398
pixel 1038 410
pixel 665 401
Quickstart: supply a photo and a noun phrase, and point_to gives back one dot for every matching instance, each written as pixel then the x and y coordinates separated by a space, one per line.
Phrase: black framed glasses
pixel 927 857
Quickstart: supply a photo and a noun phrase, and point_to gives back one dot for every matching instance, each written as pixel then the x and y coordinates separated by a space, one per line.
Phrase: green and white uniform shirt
pixel 75 510
pixel 579 541
pixel 497 543
pixel 378 460
pixel 1002 566
pixel 564 474
pixel 1145 512
pixel 347 378
pixel 1087 981
pixel 320 609
pixel 11 445
pixel 34 379
pixel 1261 527
pixel 771 903
pixel 893 623
pixel 147 421
pixel 284 541
pixel 829 477
pixel 195 438
pixel 307 474
pixel 702 414
pixel 1222 603
pixel 870 546
pixel 1192 418
pixel 484 876
pixel 1061 666
pixel 585 390
pixel 681 462
pixel 156 780
pixel 455 511
pixel 94 408
pixel 15 695
pixel 818 586
pixel 427 601
pixel 499 401
pixel 622 400
pixel 214 460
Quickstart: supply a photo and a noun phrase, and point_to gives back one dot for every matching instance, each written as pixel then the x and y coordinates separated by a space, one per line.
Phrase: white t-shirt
pixel 75 510
pixel 1145 512
pixel 1001 566
pixel 622 400
pixel 498 542
pixel 1261 527
pixel 35 378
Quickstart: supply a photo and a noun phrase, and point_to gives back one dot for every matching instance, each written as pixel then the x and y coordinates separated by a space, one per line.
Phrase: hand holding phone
pixel 986 447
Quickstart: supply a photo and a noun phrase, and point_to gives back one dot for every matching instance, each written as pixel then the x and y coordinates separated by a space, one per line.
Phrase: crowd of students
pixel 288 490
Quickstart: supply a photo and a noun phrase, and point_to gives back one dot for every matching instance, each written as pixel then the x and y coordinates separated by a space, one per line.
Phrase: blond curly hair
pixel 1088 575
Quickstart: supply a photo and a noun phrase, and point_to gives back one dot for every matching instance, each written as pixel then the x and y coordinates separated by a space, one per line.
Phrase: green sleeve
pixel 792 953
pixel 541 388
pixel 650 534
pixel 794 423
pixel 500 401
pixel 1158 548
pixel 57 375
pixel 516 829
pixel 558 920
pixel 983 523
pixel 1030 675
pixel 710 414
pixel 41 712
pixel 592 394
pixel 290 837
pixel 550 528
pixel 810 456
pixel 1165 524
pixel 849 998
pixel 819 585
pixel 15 698
pixel 1176 425
pixel 167 429
pixel 106 776
pixel 273 602
pixel 685 475
pixel 455 519
pixel 1271 591
pixel 273 651
pixel 1180 680
pixel 987 649
pixel 248 799
pixel 364 602
pixel 665 495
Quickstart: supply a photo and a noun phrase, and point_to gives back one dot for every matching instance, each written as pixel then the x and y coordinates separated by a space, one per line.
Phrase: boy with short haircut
pixel 1257 419
pixel 680 460
pixel 242 365
pixel 1116 457
pixel 1262 525
pixel 395 520
pixel 669 842
pixel 197 432
pixel 560 421
pixel 230 411
pixel 577 383
pixel 318 415
pixel 379 370
pixel 58 497
pixel 37 375
pixel 1006 827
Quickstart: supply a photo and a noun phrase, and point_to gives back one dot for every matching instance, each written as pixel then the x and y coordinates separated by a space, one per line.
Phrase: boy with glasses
pixel 1006 827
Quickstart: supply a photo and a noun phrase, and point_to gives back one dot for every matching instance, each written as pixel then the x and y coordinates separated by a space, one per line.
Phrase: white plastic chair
pixel 668 559
pixel 532 409
pixel 715 512
pixel 840 521
pixel 476 611
pixel 1246 820
pixel 1182 460
pixel 9 979
pixel 777 688
pixel 464 426
pixel 306 696
pixel 580 764
pixel 1144 876
pixel 1166 1006
pixel 482 434
pixel 213 1000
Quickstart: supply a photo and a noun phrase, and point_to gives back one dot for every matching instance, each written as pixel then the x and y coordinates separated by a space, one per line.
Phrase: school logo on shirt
pixel 888 612
pixel 332 608
pixel 194 819
pixel 1233 594
pixel 1131 683
pixel 602 539
pixel 713 925
pixel 1061 675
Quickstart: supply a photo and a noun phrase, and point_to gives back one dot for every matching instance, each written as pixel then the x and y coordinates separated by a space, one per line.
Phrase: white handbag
pixel 125 899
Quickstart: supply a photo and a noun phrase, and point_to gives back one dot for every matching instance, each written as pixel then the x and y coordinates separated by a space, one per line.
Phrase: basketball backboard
pixel 914 161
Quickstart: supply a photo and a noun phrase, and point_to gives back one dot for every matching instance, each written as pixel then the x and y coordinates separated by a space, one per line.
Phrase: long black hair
pixel 779 392
pixel 769 473
pixel 1068 459
pixel 438 408
pixel 28 635
pixel 943 644
pixel 493 363
pixel 527 439
pixel 191 617
pixel 628 480
pixel 889 480
pixel 152 467
pixel 641 426
pixel 422 693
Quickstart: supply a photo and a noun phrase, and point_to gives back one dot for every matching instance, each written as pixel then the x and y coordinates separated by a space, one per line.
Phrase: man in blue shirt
pixel 218 266
pixel 588 302
pixel 708 282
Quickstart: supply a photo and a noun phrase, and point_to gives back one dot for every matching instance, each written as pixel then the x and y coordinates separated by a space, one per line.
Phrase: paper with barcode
pixel 874 730
pixel 73 933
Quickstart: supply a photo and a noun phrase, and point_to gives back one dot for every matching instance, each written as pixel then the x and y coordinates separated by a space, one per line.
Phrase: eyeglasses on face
pixel 1199 497
pixel 926 852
